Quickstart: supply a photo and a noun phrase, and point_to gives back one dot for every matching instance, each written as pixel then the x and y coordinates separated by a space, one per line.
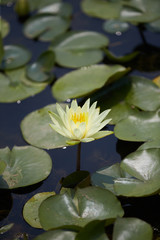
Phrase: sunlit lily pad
pixel 14 57
pixel 59 234
pixel 16 86
pixel 91 203
pixel 40 71
pixel 140 126
pixel 36 130
pixel 131 229
pixel 24 166
pixel 45 27
pixel 76 49
pixel 30 210
pixel 5 27
pixel 86 80
pixel 113 26
pixel 137 175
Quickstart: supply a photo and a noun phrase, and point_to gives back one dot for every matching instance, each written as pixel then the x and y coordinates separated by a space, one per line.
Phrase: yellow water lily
pixel 80 124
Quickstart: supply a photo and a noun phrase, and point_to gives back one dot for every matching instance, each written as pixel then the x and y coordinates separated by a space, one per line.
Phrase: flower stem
pixel 78 157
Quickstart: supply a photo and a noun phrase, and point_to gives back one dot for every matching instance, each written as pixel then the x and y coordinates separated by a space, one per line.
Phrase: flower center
pixel 81 117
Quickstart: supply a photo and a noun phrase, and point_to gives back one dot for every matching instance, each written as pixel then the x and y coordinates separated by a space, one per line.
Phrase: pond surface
pixel 95 155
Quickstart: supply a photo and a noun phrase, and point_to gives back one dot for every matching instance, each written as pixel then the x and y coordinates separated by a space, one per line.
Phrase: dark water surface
pixel 95 155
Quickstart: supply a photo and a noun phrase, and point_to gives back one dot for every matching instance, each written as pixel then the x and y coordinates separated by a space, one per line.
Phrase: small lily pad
pixel 37 132
pixel 86 80
pixel 45 27
pixel 131 229
pixel 113 26
pixel 24 166
pixel 5 27
pixel 14 86
pixel 30 210
pixel 91 203
pixel 14 57
pixel 59 234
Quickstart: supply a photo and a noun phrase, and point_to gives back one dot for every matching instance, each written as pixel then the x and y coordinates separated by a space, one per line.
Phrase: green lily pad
pixel 91 203
pixel 30 210
pixel 32 125
pixel 113 26
pixel 6 228
pixel 22 8
pixel 131 229
pixel 151 144
pixel 139 127
pixel 45 27
pixel 5 27
pixel 86 80
pixel 38 4
pixel 63 9
pixel 25 166
pixel 76 49
pixel 153 26
pixel 101 8
pixel 14 57
pixel 39 71
pixel 16 86
pixel 121 59
pixel 138 174
pixel 59 234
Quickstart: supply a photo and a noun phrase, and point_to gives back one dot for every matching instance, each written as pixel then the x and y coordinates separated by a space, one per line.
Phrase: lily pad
pixel 36 130
pixel 30 210
pixel 59 234
pixel 121 59
pixel 6 228
pixel 91 203
pixel 113 26
pixel 16 86
pixel 14 57
pixel 139 127
pixel 138 174
pixel 157 81
pixel 38 4
pixel 45 27
pixel 5 27
pixel 39 71
pixel 131 229
pixel 86 80
pixel 24 166
pixel 153 26
pixel 76 49
pixel 151 144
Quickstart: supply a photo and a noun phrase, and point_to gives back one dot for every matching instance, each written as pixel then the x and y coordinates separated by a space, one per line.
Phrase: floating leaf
pixel 140 126
pixel 45 27
pixel 113 26
pixel 25 166
pixel 59 234
pixel 5 27
pixel 37 4
pixel 151 144
pixel 121 59
pixel 76 49
pixel 39 71
pixel 16 86
pixel 14 57
pixel 36 130
pixel 131 229
pixel 157 81
pixel 30 210
pixel 86 80
pixel 91 203
pixel 6 228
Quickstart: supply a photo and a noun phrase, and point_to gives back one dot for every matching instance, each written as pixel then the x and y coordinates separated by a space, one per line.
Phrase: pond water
pixel 95 155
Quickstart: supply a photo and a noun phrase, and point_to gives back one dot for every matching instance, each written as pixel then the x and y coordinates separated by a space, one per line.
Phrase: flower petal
pixel 61 112
pixel 72 142
pixel 102 134
pixel 74 105
pixel 85 107
pixel 77 133
pixel 87 139
pixel 57 129
pixel 55 118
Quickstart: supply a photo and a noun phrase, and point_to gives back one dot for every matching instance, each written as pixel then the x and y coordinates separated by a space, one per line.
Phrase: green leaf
pixel 45 27
pixel 86 80
pixel 30 210
pixel 91 203
pixel 76 49
pixel 151 144
pixel 37 4
pixel 14 57
pixel 121 59
pixel 5 27
pixel 131 229
pixel 59 234
pixel 39 71
pixel 139 127
pixel 32 125
pixel 24 166
pixel 14 86
pixel 6 228
pixel 113 26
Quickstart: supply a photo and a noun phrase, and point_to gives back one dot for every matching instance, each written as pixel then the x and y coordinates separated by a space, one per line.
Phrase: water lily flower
pixel 80 124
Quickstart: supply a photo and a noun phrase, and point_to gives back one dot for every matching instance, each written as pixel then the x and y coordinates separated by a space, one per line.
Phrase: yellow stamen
pixel 81 117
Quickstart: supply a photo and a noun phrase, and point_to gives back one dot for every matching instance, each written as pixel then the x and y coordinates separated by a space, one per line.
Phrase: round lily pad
pixel 86 80
pixel 113 26
pixel 30 210
pixel 24 166
pixel 36 130
pixel 5 27
pixel 91 203
pixel 150 144
pixel 59 234
pixel 45 27
pixel 16 86
pixel 14 57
